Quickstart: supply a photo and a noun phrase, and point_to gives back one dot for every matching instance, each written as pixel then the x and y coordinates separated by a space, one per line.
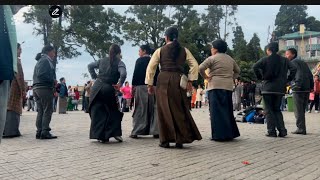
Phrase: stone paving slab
pixel 74 156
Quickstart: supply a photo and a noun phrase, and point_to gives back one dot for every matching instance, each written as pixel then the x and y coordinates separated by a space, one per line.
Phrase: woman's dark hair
pixel 45 50
pixel 113 52
pixel 18 46
pixel 146 48
pixel 172 34
pixel 127 82
pixel 61 79
pixel 293 51
pixel 273 61
pixel 220 45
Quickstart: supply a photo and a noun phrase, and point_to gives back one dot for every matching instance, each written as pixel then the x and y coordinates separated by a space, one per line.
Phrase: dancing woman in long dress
pixel 103 108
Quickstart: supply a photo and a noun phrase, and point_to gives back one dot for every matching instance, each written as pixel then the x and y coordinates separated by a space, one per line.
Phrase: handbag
pixel 183 81
pixel 74 101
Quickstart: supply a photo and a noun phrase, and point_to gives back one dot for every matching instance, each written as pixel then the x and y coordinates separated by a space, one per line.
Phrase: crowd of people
pixel 161 95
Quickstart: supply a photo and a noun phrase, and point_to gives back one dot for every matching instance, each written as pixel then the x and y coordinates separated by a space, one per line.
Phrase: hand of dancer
pixel 150 89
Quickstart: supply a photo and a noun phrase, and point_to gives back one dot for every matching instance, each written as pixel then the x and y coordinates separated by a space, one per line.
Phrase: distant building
pixel 307 44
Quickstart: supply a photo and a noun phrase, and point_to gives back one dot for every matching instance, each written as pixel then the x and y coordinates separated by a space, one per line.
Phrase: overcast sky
pixel 252 18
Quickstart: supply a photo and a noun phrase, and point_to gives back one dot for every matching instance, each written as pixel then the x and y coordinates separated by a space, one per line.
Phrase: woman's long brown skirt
pixel 176 124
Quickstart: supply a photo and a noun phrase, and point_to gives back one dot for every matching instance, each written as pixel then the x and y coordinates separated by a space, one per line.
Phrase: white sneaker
pixel 317 111
pixel 118 138
pixel 309 111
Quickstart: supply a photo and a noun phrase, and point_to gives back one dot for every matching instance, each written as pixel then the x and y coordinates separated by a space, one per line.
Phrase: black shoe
pixel 156 136
pixel 282 135
pixel 103 140
pixel 134 136
pixel 164 145
pixel 299 132
pixel 271 135
pixel 38 135
pixel 179 146
pixel 48 136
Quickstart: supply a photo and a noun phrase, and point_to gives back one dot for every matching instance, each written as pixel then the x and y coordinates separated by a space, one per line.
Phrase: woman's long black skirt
pixel 105 115
pixel 223 124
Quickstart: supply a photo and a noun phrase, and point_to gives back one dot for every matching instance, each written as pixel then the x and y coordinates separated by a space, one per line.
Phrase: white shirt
pixel 29 93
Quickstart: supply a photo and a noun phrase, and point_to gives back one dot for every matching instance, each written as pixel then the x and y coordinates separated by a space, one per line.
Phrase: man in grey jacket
pixel 302 84
pixel 44 80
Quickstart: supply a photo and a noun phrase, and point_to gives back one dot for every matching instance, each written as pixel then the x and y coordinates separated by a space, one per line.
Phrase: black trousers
pixel 315 103
pixel 87 105
pixel 198 103
pixel 252 99
pixel 273 113
pixel 301 102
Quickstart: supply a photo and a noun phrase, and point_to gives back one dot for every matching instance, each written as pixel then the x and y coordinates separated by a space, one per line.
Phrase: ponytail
pixel 38 56
pixel 176 49
pixel 113 52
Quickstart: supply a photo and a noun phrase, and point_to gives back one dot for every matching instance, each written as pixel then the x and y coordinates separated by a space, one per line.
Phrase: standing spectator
pixel 84 98
pixel 237 91
pixel 175 126
pixel 17 93
pixel 199 96
pixel 87 95
pixel 245 95
pixel 76 98
pixel 316 92
pixel 44 80
pixel 104 113
pixel 252 93
pixel 70 99
pixel 127 95
pixel 302 85
pixel 223 71
pixel 194 97
pixel 273 70
pixel 30 100
pixel 63 94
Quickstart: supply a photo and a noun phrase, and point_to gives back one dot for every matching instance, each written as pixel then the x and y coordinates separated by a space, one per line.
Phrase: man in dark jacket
pixel 44 82
pixel 273 70
pixel 302 84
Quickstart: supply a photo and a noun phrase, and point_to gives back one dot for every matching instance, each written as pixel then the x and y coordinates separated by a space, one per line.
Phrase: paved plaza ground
pixel 74 156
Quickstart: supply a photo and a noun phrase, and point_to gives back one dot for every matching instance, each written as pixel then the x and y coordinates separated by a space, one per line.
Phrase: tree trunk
pixel 225 23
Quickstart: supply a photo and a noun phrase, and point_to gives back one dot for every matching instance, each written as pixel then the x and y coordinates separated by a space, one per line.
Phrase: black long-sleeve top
pixel 140 69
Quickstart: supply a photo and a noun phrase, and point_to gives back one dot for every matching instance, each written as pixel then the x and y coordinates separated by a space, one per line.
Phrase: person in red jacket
pixel 76 98
pixel 316 91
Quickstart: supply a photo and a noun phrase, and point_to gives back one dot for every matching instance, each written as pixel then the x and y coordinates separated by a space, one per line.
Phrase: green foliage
pixel 147 25
pixel 239 45
pixel 312 24
pixel 246 73
pixel 289 18
pixel 96 28
pixel 254 48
